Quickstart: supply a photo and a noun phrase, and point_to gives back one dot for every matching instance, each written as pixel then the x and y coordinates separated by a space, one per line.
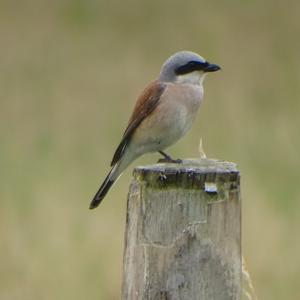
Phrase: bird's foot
pixel 174 161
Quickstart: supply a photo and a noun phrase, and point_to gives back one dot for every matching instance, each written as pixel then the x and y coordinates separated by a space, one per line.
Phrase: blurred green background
pixel 70 72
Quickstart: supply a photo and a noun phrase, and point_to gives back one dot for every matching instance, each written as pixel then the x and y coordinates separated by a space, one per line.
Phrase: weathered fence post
pixel 183 232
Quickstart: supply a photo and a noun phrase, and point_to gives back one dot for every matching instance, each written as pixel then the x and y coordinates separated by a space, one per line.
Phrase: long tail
pixel 104 188
pixel 113 176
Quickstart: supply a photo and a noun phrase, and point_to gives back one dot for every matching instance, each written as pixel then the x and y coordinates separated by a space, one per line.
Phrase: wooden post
pixel 183 232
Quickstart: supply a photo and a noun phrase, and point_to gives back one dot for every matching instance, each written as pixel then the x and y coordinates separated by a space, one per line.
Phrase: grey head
pixel 184 63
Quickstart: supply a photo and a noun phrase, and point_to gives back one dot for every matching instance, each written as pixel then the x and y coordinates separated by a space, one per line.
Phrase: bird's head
pixel 186 67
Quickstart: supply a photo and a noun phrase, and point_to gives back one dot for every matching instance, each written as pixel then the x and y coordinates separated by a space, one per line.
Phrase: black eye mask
pixel 191 67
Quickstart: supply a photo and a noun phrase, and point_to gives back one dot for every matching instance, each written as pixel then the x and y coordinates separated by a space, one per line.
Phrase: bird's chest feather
pixel 180 107
pixel 176 113
pixel 171 119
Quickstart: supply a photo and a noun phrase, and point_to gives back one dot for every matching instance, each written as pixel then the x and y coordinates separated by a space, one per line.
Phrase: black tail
pixel 104 188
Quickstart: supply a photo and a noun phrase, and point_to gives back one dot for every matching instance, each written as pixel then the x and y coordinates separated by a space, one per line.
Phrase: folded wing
pixel 145 105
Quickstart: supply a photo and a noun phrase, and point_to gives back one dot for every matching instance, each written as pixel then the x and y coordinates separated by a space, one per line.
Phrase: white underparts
pixel 195 77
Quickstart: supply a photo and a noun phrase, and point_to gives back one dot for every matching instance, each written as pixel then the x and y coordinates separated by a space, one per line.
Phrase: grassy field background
pixel 70 72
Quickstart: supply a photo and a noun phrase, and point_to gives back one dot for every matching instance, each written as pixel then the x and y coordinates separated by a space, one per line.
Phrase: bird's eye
pixel 192 63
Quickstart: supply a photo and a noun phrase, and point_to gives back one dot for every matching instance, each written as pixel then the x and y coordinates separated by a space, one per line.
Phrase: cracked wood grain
pixel 183 232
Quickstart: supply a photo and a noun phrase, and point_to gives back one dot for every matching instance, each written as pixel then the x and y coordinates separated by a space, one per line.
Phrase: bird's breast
pixel 171 119
pixel 182 103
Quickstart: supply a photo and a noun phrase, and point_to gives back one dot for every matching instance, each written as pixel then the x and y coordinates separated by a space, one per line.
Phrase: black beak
pixel 211 68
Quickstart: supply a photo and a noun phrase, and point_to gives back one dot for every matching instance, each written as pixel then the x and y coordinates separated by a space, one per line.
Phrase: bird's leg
pixel 168 159
pixel 165 155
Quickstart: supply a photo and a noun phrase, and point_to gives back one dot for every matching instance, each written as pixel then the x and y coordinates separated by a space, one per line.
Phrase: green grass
pixel 70 73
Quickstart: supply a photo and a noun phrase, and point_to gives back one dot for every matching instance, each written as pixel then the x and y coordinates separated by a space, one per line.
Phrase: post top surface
pixel 194 165
pixel 191 173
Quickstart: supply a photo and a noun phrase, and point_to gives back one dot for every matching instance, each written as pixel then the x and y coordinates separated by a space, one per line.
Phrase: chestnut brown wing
pixel 144 106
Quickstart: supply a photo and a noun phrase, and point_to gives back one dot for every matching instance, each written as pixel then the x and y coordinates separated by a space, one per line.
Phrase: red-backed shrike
pixel 163 113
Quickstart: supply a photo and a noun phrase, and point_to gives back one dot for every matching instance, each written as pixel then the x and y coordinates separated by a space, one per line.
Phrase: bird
pixel 163 113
